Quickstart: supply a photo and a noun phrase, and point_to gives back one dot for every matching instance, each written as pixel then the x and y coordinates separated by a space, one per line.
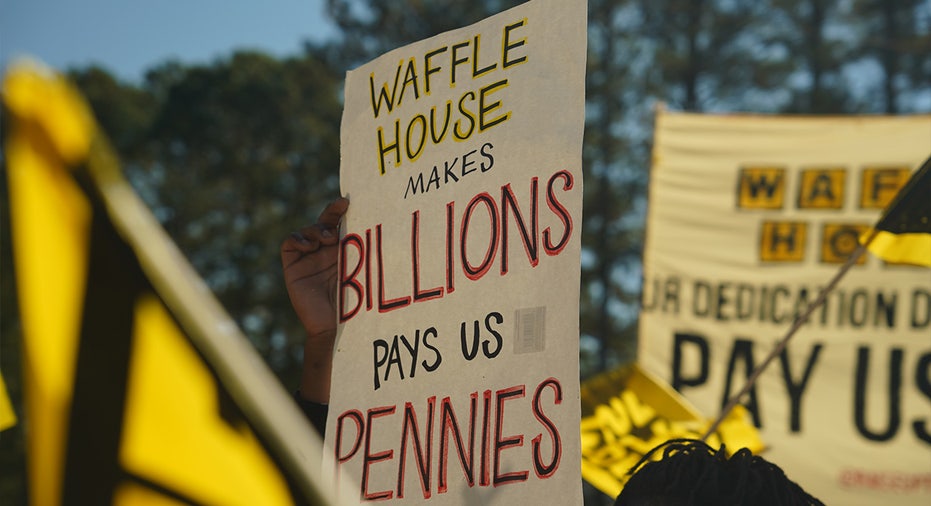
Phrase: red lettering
pixel 471 272
pixel 423 449
pixel 356 253
pixel 372 458
pixel 887 481
pixel 356 417
pixel 485 476
pixel 529 238
pixel 450 248
pixel 368 270
pixel 546 470
pixel 559 210
pixel 349 280
pixel 419 295
pixel 385 305
pixel 450 424
pixel 515 392
pixel 416 442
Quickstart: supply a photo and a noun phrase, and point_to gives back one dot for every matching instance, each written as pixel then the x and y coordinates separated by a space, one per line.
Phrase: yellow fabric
pixel 173 435
pixel 7 415
pixel 36 94
pixel 642 414
pixel 133 494
pixel 903 234
pixel 49 220
pixel 912 249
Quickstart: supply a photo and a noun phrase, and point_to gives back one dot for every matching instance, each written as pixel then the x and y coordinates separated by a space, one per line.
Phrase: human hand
pixel 309 258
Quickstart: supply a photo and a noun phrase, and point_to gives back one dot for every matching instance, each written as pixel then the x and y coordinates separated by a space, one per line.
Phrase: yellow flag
pixel 7 415
pixel 627 412
pixel 138 387
pixel 903 234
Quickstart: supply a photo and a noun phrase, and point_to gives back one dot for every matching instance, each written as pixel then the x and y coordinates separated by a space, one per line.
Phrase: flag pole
pixel 800 320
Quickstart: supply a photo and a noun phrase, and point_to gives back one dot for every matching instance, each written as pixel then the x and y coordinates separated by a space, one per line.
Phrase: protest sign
pixel 749 217
pixel 456 365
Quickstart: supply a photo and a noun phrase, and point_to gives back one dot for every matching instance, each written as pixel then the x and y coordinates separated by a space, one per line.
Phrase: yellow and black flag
pixel 7 415
pixel 138 387
pixel 903 234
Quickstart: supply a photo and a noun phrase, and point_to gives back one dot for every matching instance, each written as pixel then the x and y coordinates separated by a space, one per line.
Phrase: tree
pixel 814 32
pixel 714 55
pixel 369 28
pixel 232 157
pixel 897 35
pixel 614 161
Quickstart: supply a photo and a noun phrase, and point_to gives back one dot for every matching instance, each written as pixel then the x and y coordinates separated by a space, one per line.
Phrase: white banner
pixel 456 376
pixel 749 217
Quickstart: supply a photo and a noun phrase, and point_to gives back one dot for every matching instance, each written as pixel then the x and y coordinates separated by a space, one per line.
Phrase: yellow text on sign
pixel 822 188
pixel 761 188
pixel 879 185
pixel 839 240
pixel 783 241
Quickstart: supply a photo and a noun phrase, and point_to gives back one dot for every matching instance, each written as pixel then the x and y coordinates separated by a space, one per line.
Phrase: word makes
pixel 475 110
pixel 819 188
pixel 742 356
pixel 482 466
pixel 452 171
pixel 360 283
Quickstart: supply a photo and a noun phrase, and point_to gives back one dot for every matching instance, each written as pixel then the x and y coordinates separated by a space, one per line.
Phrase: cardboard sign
pixel 456 371
pixel 749 217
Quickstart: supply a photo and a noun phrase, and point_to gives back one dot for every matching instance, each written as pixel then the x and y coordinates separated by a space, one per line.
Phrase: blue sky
pixel 127 37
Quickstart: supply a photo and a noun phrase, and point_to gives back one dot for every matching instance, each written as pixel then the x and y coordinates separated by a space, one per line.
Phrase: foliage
pixel 370 27
pixel 897 37
pixel 231 157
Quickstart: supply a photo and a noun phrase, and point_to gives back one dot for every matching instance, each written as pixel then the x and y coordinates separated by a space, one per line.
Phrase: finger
pixel 298 243
pixel 309 239
pixel 333 213
pixel 316 235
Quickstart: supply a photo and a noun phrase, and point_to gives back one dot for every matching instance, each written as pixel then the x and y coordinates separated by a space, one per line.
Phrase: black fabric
pixel 315 412
pixel 910 211
pixel 95 421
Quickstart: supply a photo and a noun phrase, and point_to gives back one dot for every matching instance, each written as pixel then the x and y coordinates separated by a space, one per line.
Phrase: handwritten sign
pixel 456 370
